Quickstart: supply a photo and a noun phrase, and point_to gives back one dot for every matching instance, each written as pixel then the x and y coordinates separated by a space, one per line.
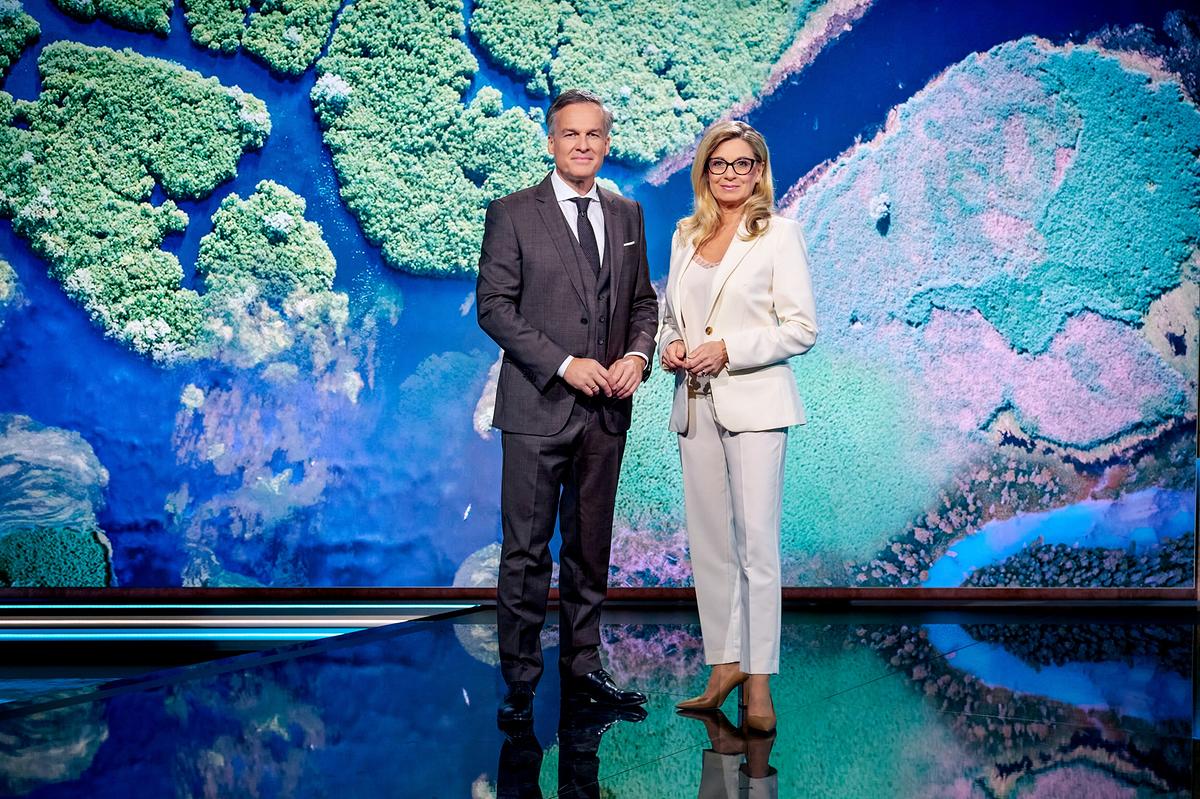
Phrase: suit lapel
pixel 560 234
pixel 614 248
pixel 737 251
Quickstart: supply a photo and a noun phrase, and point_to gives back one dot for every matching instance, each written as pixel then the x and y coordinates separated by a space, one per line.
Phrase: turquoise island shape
pixel 667 69
pixel 107 128
pixel 77 184
pixel 18 30
pixel 136 15
pixel 964 190
pixel 416 166
pixel 286 35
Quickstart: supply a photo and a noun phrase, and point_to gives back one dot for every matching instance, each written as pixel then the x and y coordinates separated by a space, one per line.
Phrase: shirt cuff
pixel 562 369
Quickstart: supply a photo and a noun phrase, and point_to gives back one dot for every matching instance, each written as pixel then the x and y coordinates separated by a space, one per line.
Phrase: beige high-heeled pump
pixel 762 725
pixel 706 702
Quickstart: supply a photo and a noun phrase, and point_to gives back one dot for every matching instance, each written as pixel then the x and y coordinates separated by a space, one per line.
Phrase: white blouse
pixel 696 290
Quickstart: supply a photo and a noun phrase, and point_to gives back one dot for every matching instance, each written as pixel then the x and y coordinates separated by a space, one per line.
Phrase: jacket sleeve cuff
pixel 668 337
pixel 738 348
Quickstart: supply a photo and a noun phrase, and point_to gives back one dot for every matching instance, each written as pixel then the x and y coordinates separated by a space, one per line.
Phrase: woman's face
pixel 729 188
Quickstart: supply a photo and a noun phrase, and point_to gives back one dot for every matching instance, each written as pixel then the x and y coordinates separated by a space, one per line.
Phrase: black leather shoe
pixel 517 707
pixel 598 686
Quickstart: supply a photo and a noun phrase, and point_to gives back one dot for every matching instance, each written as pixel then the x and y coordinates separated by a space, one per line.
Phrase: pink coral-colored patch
pixel 1019 162
pixel 1006 232
pixel 1063 158
pixel 1096 380
pixel 1078 781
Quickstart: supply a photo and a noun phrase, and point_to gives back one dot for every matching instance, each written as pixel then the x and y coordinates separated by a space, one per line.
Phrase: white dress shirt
pixel 565 194
pixel 570 211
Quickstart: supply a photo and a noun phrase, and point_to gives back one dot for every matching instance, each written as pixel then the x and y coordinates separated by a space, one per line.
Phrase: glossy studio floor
pixel 364 703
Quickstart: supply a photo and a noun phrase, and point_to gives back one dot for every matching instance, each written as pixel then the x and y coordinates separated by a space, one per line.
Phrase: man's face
pixel 578 142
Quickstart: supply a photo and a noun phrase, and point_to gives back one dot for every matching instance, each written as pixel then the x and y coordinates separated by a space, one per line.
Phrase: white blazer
pixel 762 306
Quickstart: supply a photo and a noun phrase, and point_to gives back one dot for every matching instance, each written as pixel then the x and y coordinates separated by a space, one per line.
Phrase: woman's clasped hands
pixel 706 360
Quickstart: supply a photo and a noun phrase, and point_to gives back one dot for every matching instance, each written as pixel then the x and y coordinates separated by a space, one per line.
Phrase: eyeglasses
pixel 741 166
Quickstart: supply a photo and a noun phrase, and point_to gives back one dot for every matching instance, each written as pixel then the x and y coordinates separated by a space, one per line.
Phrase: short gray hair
pixel 573 96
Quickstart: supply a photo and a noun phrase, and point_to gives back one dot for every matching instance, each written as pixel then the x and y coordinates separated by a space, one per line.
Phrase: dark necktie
pixel 587 236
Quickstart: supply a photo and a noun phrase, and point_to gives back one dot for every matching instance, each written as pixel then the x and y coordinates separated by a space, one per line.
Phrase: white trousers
pixel 733 497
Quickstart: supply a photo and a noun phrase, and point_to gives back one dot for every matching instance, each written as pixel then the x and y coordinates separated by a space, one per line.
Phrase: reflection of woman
pixel 735 765
pixel 739 304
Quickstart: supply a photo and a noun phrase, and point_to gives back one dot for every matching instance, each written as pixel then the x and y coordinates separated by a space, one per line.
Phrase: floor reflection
pixel 737 762
pixel 581 726
pixel 868 707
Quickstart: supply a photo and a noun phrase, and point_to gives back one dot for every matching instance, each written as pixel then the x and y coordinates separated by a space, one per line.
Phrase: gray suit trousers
pixel 571 475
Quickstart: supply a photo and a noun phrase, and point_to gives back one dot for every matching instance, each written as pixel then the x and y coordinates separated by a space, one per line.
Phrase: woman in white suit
pixel 739 304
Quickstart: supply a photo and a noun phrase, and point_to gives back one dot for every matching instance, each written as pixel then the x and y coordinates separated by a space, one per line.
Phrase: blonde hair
pixel 706 214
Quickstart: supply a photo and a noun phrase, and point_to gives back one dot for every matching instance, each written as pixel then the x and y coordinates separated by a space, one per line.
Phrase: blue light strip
pixel 305 634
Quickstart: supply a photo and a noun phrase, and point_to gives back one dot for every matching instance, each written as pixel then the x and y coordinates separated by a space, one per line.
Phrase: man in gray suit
pixel 564 289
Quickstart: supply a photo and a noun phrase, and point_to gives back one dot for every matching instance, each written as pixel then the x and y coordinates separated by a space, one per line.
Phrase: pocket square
pixel 629 243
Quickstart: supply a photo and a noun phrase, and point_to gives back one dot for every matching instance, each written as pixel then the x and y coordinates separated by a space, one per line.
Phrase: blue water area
pixel 411 490
pixel 60 370
pixel 410 710
pixel 1140 686
pixel 1132 522
pixel 492 75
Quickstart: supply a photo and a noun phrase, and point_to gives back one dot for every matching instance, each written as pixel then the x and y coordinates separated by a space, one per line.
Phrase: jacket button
pixel 708 331
pixel 583 321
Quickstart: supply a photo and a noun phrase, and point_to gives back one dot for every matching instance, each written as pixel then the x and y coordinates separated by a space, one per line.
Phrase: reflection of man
pixel 580 730
pixel 520 765
pixel 564 289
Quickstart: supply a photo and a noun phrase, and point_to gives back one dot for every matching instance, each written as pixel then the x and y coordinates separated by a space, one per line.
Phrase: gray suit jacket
pixel 535 299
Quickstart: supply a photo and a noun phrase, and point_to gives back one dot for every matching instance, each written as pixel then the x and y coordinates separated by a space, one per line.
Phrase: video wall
pixel 237 251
